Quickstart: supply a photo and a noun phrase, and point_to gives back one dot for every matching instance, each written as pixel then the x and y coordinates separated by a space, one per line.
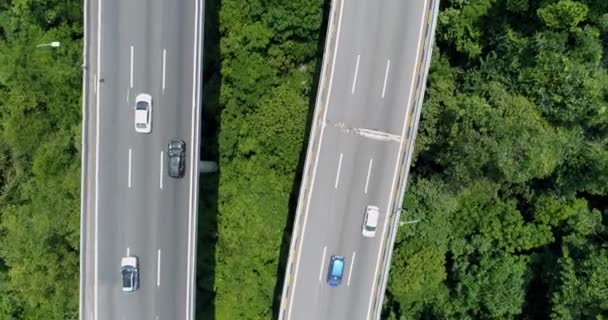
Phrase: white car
pixel 370 222
pixel 143 113
pixel 129 270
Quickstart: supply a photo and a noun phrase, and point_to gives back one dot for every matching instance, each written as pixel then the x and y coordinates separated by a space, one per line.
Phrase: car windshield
pixel 370 228
pixel 141 105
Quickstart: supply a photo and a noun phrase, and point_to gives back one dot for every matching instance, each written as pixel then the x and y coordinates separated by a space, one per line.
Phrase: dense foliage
pixel 511 174
pixel 268 51
pixel 40 91
pixel 510 178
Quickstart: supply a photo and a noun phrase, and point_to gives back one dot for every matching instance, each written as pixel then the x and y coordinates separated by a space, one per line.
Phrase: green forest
pixel 509 178
pixel 40 125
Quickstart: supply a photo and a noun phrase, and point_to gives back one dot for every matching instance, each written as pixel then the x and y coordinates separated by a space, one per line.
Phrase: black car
pixel 177 158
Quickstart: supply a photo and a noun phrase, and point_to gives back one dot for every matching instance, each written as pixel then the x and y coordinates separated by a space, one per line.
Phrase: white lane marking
pixel 129 182
pixel 161 169
pixel 128 94
pixel 193 164
pixel 338 173
pixel 322 263
pixel 398 162
pixel 377 135
pixel 98 116
pixel 164 66
pixel 369 171
pixel 128 251
pixel 388 66
pixel 356 73
pixel 131 71
pixel 95 83
pixel 158 269
pixel 352 266
pixel 314 170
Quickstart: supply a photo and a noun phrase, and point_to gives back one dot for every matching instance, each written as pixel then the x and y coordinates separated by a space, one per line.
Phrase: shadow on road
pixel 209 183
pixel 295 189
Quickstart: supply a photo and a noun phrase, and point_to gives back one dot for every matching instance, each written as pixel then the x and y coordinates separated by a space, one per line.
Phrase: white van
pixel 370 222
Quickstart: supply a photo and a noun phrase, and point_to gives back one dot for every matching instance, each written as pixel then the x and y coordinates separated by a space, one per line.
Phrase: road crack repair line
pixel 366 133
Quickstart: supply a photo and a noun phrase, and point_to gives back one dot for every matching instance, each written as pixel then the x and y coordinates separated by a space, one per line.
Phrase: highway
pixel 130 206
pixel 364 122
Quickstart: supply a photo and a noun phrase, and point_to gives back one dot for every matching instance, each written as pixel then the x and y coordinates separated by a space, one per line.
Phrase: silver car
pixel 129 270
pixel 370 221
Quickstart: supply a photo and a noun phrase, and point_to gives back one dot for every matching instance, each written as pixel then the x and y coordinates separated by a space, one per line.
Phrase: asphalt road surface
pixel 130 204
pixel 371 87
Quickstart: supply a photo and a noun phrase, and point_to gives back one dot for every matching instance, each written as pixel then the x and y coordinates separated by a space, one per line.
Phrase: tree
pixel 563 14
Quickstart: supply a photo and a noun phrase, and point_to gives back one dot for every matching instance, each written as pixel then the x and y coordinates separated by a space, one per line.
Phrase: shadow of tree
pixel 295 189
pixel 209 183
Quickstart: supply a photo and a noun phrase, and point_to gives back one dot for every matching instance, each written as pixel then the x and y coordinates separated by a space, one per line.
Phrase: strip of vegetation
pixel 40 91
pixel 268 56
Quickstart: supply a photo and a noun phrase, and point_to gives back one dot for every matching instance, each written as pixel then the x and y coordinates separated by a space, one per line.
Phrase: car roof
pixel 141 115
pixel 372 215
pixel 338 265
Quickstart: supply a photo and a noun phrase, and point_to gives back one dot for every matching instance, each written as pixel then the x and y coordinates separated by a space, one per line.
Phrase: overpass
pixel 129 204
pixel 371 88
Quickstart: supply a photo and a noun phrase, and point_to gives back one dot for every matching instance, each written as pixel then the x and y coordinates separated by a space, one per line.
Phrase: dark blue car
pixel 336 269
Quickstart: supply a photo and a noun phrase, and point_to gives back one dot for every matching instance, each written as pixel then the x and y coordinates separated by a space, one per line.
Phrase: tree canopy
pixel 40 92
pixel 509 180
pixel 510 169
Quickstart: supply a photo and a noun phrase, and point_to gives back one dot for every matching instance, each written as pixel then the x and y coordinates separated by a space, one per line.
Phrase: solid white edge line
pixel 322 263
pixel 131 69
pixel 129 179
pixel 191 218
pixel 405 124
pixel 164 66
pixel 369 171
pixel 388 66
pixel 161 169
pixel 356 73
pixel 314 173
pixel 338 173
pixel 96 275
pixel 158 269
pixel 352 266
